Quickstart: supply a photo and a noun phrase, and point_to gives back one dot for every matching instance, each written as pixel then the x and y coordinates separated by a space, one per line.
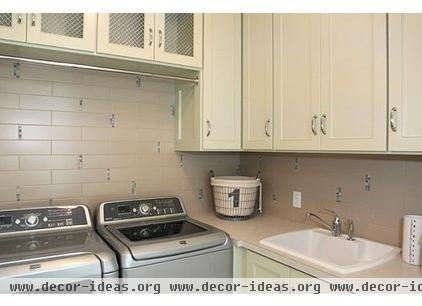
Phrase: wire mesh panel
pixel 235 202
pixel 6 19
pixel 179 34
pixel 127 29
pixel 64 24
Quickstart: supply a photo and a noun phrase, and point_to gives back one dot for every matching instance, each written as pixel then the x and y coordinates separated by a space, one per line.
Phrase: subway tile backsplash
pixel 396 189
pixel 69 152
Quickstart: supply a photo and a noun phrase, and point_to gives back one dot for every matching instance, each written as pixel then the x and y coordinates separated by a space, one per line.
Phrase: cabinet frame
pixel 17 31
pixel 87 43
pixel 106 47
pixel 163 56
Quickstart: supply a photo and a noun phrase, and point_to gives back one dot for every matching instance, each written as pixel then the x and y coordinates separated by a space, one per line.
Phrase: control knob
pixel 145 209
pixel 31 220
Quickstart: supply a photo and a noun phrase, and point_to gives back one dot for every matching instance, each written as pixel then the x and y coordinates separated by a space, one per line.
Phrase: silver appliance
pixel 156 238
pixel 53 242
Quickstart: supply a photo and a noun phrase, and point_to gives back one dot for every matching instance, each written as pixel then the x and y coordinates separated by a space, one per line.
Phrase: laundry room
pixel 215 148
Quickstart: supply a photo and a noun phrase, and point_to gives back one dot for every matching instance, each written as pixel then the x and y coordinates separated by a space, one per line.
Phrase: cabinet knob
pixel 150 36
pixel 208 128
pixel 323 124
pixel 393 119
pixel 160 38
pixel 267 128
pixel 313 124
pixel 33 19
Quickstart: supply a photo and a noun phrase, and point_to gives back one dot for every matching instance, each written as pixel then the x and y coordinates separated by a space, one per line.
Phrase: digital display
pixel 123 209
pixel 5 220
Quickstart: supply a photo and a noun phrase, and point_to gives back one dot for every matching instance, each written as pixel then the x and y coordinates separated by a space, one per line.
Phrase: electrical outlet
pixel 297 199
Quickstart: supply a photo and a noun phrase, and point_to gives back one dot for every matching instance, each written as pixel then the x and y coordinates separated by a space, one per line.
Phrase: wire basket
pixel 236 197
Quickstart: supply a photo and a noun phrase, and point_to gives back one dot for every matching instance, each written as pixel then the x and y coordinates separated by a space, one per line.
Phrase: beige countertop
pixel 248 233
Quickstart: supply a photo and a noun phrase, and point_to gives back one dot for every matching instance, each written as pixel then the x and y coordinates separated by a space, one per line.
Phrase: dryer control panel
pixel 43 218
pixel 142 208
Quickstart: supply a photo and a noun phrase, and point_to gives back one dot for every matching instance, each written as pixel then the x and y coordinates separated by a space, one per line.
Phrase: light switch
pixel 297 199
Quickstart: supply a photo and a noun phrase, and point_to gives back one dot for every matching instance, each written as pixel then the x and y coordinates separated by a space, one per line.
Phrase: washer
pixel 156 238
pixel 53 242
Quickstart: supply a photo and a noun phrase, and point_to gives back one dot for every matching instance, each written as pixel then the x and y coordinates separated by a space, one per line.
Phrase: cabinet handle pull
pixel 160 38
pixel 267 126
pixel 208 128
pixel 150 36
pixel 393 121
pixel 313 124
pixel 322 124
pixel 33 20
pixel 19 18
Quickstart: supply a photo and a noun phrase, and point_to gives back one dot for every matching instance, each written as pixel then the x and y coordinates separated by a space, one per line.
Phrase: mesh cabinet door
pixel 179 38
pixel 126 34
pixel 13 26
pixel 66 30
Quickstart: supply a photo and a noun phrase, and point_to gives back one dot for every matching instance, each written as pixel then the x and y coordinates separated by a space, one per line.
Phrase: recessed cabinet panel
pixel 66 30
pixel 257 100
pixel 353 82
pixel 221 82
pixel 126 34
pixel 296 81
pixel 405 103
pixel 178 38
pixel 13 26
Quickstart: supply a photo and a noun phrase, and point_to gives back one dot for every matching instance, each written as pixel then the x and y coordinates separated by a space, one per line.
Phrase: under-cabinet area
pixel 216 146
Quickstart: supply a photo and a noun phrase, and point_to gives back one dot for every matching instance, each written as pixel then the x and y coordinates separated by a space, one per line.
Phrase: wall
pixel 396 188
pixel 65 113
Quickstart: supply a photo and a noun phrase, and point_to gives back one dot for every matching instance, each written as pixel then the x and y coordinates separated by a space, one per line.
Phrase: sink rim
pixel 330 266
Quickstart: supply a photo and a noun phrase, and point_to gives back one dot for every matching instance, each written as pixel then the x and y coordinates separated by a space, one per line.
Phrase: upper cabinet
pixel 64 30
pixel 126 34
pixel 208 116
pixel 13 26
pixel 296 81
pixel 178 38
pixel 405 79
pixel 257 99
pixel 221 82
pixel 353 82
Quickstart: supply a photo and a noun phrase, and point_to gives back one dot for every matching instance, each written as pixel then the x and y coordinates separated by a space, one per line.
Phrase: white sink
pixel 336 254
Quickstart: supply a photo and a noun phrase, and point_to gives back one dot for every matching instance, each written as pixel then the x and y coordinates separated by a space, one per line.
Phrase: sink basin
pixel 336 254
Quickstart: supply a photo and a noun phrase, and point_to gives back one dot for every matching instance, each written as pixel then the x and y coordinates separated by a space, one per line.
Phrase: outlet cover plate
pixel 297 199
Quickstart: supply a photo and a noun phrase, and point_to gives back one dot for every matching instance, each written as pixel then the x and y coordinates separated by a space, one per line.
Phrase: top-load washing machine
pixel 53 242
pixel 156 238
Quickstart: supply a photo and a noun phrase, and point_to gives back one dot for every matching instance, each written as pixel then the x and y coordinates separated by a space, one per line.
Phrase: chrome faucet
pixel 335 228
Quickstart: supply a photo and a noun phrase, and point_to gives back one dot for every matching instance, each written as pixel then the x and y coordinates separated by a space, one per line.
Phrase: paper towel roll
pixel 412 235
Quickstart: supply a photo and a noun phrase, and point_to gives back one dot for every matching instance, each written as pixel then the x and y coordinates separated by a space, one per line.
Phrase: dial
pixel 145 209
pixel 31 220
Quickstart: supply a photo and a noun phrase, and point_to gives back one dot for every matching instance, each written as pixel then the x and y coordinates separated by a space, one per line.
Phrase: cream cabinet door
pixel 258 266
pixel 257 100
pixel 179 38
pixel 126 34
pixel 64 30
pixel 13 26
pixel 353 82
pixel 221 82
pixel 296 81
pixel 405 82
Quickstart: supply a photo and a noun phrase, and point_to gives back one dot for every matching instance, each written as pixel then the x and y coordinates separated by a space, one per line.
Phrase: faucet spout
pixel 335 228
pixel 321 221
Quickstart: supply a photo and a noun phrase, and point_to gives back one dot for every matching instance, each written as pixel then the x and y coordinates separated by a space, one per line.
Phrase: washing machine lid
pixel 162 239
pixel 81 266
